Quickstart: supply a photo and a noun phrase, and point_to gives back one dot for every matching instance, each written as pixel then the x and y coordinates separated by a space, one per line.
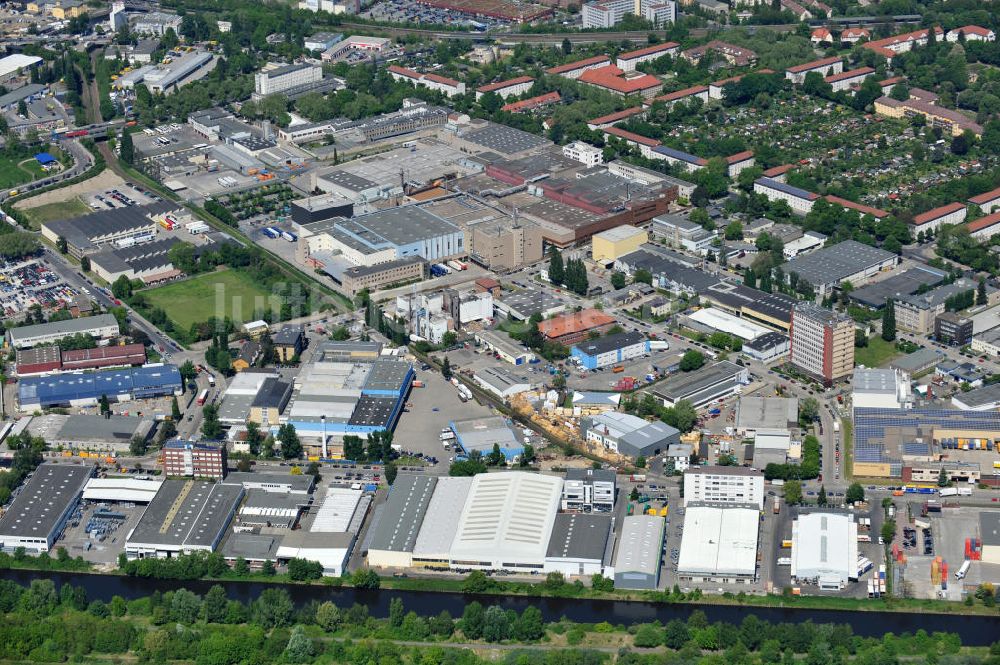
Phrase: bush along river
pixel 974 630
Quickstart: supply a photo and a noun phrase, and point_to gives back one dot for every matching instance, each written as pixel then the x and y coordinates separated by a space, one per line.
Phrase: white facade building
pixel 724 485
pixel 825 549
pixel 799 200
pixel 584 153
pixel 278 79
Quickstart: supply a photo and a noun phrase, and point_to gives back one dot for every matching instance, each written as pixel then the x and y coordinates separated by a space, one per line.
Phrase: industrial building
pixel 755 413
pixel 638 554
pixel 504 347
pixel 706 385
pixel 724 485
pixel 100 327
pixel 393 533
pixel 579 544
pixel 166 78
pixel 629 435
pixel 768 347
pixel 502 382
pixel 194 460
pixel 851 261
pixel 506 522
pixel 49 359
pixel 86 389
pixel 90 432
pixel 185 516
pixel 989 533
pixel 41 508
pixel 85 234
pixel 481 434
pixel 433 545
pixel 610 350
pixel 711 319
pixel 242 390
pixel 589 490
pixel 822 342
pixel 121 489
pixel 355 279
pixel 610 245
pixel 522 305
pixel 572 328
pixel 719 544
pixel 825 549
pixel 269 402
pixel 282 483
pixel 881 389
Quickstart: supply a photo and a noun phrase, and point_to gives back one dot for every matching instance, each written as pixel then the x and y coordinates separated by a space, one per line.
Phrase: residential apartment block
pixel 197 460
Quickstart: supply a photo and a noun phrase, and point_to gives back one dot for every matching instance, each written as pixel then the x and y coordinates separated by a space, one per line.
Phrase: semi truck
pixel 289 236
pixel 960 573
pixel 202 397
pixel 948 491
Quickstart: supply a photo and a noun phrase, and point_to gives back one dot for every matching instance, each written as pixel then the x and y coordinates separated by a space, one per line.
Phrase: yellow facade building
pixel 610 245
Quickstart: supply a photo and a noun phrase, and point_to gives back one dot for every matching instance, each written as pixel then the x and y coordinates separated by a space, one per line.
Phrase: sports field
pixel 223 293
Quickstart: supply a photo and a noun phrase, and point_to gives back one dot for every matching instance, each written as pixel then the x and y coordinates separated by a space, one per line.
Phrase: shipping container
pixel 786 543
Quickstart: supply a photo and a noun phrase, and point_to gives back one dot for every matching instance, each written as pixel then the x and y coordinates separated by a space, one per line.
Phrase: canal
pixel 975 630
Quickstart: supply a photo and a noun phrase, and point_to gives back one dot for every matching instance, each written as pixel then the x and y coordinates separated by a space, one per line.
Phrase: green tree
pixel 215 605
pixel 556 269
pixel 62 245
pixel 299 648
pixel 328 616
pixel 821 499
pixel 446 368
pixel 618 279
pixel 529 627
pixel 137 446
pixel 567 46
pixel 272 609
pixel 793 492
pixel 808 411
pixel 889 321
pixel 691 360
pixel 391 471
pixel 127 152
pixel 365 578
pixel 643 276
pixel 396 612
pixel 943 480
pixel 211 428
pixel 496 624
pixel 855 493
pixel 175 409
pixel 472 621
pixel 981 292
pixel 291 447
pixel 900 92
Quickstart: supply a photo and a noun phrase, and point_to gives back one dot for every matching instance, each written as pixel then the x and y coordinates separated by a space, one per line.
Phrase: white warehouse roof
pixel 727 323
pixel 121 489
pixel 824 546
pixel 336 511
pixel 445 508
pixel 719 541
pixel 507 519
pixel 17 61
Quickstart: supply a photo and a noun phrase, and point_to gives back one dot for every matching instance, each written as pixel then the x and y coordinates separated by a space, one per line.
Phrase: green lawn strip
pixel 57 210
pixel 877 353
pixel 197 299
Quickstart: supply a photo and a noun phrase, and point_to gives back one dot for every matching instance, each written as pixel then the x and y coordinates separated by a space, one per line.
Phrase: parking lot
pixel 429 410
pixel 24 284
pixel 97 531
pixel 121 197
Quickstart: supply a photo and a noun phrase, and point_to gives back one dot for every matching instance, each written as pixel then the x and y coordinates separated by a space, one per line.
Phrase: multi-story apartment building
pixel 505 89
pixel 822 342
pixel 799 200
pixel 824 66
pixel 609 13
pixel 953 213
pixel 589 490
pixel 197 460
pixel 725 485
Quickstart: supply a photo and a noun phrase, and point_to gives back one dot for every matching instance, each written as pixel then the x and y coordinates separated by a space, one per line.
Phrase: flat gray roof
pixel 481 433
pixel 610 343
pixel 187 513
pixel 403 514
pixel 989 528
pixel 988 394
pixel 896 286
pixel 387 375
pixel 766 412
pixel 79 230
pixel 251 546
pixel 398 226
pixel 530 301
pixel 297 483
pixel 833 264
pixel 62 328
pixel 685 384
pixel 579 536
pixel 44 500
pixel 640 545
pixel 501 379
pixel 505 140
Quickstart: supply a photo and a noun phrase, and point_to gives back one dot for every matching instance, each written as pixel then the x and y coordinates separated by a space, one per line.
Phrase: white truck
pixel 960 573
pixel 948 491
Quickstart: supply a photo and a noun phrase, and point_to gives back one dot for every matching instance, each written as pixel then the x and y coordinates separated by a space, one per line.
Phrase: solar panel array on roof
pixel 870 426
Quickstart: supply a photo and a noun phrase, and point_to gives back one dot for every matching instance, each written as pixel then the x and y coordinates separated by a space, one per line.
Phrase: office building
pixel 825 549
pixel 197 460
pixel 36 517
pixel 822 342
pixel 584 153
pixel 952 328
pixel 639 552
pixel 156 23
pixel 286 78
pixel 724 485
pixel 609 13
pixel 589 490
pixel 288 342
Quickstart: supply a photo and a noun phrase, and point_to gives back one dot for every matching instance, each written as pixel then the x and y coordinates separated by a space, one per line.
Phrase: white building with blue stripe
pixel 610 350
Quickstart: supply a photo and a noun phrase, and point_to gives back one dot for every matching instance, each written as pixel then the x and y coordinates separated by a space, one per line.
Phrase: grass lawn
pixel 11 174
pixel 58 210
pixel 223 293
pixel 877 353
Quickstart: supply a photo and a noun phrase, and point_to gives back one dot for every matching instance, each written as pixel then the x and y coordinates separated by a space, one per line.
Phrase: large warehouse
pixel 825 549
pixel 506 522
pixel 640 549
pixel 393 533
pixel 578 545
pixel 103 326
pixel 185 516
pixel 86 389
pixel 39 513
pixel 433 546
pixel 719 545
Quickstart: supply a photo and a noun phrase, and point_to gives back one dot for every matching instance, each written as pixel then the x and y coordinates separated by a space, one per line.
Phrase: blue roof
pixel 677 154
pixel 45 158
pixel 64 388
pixel 787 189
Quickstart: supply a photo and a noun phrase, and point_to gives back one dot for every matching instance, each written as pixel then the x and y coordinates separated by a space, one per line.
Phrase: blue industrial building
pixel 481 434
pixel 610 350
pixel 87 388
